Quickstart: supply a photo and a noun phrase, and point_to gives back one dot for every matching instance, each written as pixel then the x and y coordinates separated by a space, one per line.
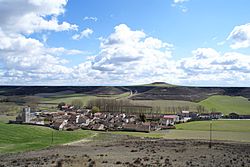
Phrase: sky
pixel 125 42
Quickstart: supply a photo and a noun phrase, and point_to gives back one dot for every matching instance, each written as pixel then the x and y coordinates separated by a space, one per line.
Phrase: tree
pixel 59 106
pixel 77 103
pixel 32 102
pixel 142 117
pixel 95 109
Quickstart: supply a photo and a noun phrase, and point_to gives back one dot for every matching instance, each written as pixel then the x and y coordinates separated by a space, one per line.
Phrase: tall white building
pixel 26 114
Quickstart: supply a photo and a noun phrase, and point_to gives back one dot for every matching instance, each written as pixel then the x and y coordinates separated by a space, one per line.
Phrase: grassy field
pixel 83 97
pixel 217 125
pixel 16 138
pixel 227 104
pixel 164 104
pixel 238 130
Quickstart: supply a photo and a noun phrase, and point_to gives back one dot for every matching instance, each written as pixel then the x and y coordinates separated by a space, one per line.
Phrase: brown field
pixel 122 150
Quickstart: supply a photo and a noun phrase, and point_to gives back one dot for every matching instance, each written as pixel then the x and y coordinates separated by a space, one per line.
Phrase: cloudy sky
pixel 125 42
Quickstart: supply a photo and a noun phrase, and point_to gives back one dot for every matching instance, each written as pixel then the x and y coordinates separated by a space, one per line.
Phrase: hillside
pixel 155 91
pixel 227 104
pixel 194 94
pixel 159 84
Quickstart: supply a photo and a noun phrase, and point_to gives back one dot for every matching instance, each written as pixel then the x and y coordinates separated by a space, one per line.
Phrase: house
pixel 205 116
pixel 72 119
pixel 37 121
pixel 98 114
pixel 153 117
pixel 169 120
pixel 244 116
pixel 137 127
pixel 234 116
pixel 70 127
pixel 154 126
pixel 185 113
pixel 83 120
pixel 216 115
pixel 59 124
pixel 99 127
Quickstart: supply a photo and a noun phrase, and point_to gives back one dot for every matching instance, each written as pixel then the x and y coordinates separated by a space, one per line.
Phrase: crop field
pixel 228 104
pixel 238 130
pixel 165 104
pixel 217 125
pixel 16 138
pixel 83 97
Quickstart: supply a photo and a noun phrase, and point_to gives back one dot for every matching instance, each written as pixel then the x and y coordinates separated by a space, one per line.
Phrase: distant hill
pixel 159 84
pixel 107 90
pixel 194 94
pixel 153 91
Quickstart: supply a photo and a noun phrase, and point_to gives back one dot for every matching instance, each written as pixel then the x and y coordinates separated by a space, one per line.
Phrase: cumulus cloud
pixel 29 16
pixel 85 33
pixel 126 56
pixel 28 57
pixel 24 59
pixel 131 56
pixel 208 65
pixel 240 36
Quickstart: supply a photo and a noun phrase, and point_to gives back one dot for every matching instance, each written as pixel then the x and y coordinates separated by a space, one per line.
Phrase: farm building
pixel 169 119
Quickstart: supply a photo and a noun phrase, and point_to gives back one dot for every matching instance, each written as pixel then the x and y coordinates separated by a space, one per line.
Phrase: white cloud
pixel 208 65
pixel 90 18
pixel 180 1
pixel 24 59
pixel 85 33
pixel 29 16
pixel 240 36
pixel 126 56
pixel 130 56
pixel 179 4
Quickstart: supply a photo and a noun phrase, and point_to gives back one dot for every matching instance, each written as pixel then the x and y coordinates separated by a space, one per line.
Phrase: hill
pixel 154 91
pixel 14 138
pixel 228 104
pixel 195 94
pixel 159 84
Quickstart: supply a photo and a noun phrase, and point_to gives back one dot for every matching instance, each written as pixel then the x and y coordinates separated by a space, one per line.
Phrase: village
pixel 69 118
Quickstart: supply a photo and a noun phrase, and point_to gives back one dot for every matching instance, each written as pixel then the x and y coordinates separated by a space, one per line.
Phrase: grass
pixel 164 104
pixel 67 99
pixel 192 134
pixel 238 130
pixel 83 97
pixel 5 118
pixel 17 138
pixel 217 125
pixel 227 104
pixel 204 135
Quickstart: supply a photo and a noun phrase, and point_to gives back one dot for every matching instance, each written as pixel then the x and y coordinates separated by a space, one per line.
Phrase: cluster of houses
pixel 69 118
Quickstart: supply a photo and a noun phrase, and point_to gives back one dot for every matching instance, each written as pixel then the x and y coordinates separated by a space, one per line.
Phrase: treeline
pixel 126 106
pixel 109 105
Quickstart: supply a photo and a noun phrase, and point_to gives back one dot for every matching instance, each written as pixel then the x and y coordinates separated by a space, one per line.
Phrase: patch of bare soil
pixel 134 152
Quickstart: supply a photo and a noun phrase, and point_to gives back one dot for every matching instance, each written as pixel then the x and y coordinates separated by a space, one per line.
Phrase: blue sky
pixel 110 42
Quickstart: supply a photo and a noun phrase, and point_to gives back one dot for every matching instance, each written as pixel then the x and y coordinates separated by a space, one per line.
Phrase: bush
pixel 95 109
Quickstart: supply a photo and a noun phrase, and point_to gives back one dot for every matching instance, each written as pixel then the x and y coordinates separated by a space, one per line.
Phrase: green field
pixel 83 97
pixel 164 104
pixel 238 130
pixel 227 104
pixel 217 125
pixel 16 138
